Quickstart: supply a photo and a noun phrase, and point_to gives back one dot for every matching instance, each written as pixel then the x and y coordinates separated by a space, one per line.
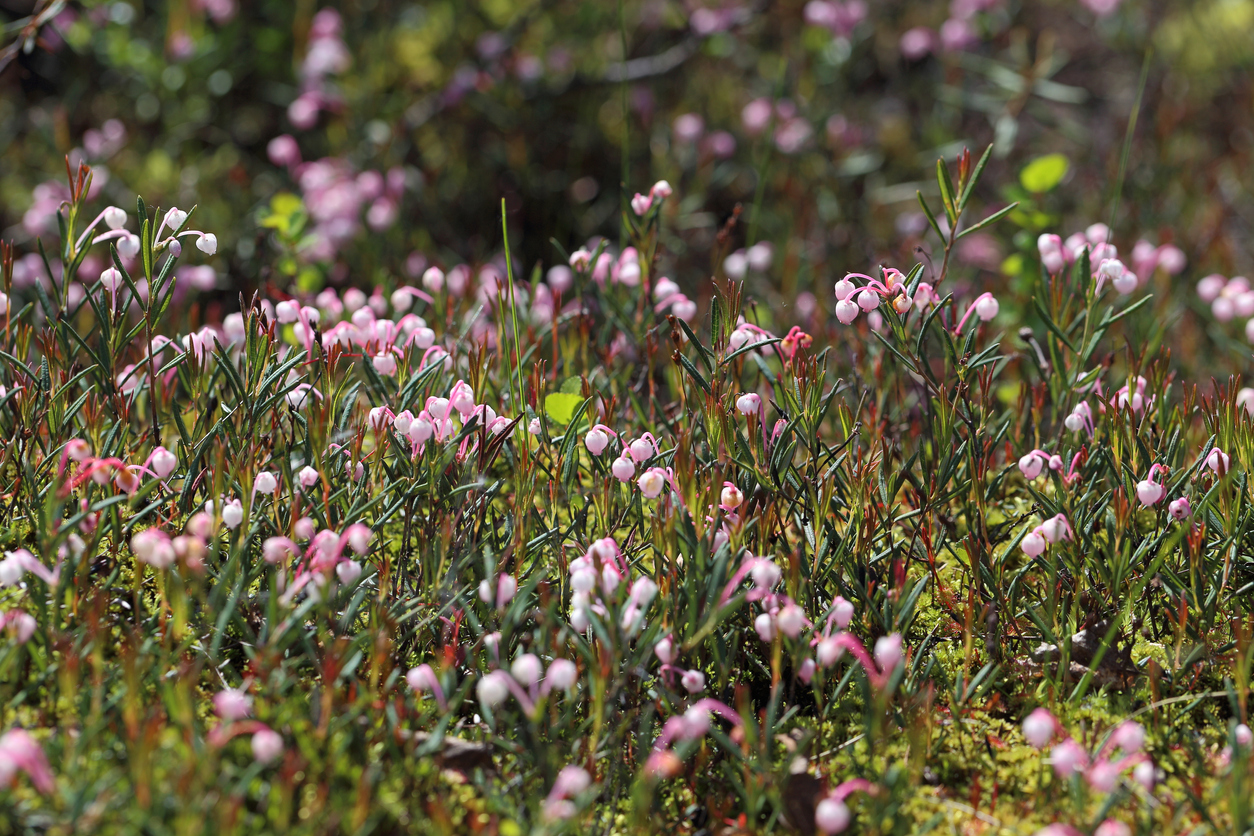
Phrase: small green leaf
pixel 1044 173
pixel 560 406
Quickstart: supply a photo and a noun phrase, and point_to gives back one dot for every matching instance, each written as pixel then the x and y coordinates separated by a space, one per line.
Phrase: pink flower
pixel 562 674
pixel 693 681
pixel 1101 8
pixel 232 704
pixel 596 441
pixel 1031 465
pixel 916 43
pixel 1052 256
pixel 652 482
pixel 1129 736
pixel 267 745
pixel 19 751
pixel 756 116
pixel 688 128
pixel 1068 758
pixel 20 625
pixel 1112 827
pixel 1039 727
pixel 1103 776
pixel 831 816
pixel 888 652
pixel 1055 528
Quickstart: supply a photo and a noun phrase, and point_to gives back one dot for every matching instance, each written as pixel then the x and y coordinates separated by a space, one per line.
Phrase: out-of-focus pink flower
pixel 1039 727
pixel 791 136
pixel 720 145
pixel 232 704
pixel 20 751
pixel 688 128
pixel 916 43
pixel 957 35
pixel 1068 758
pixel 756 116
pixel 267 745
pixel 1101 8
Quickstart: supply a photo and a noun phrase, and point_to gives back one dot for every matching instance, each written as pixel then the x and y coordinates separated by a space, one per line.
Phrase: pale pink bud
pixel 1149 492
pixel 128 246
pixel 765 573
pixel 506 587
pixel 665 650
pixel 829 651
pixel 748 404
pixel 111 279
pixel 527 669
pixel 267 745
pixel 462 398
pixel 493 688
pixel 1039 727
pixel 1113 827
pixel 1031 466
pixel 791 620
pixel 21 625
pixel 1033 544
pixel 200 525
pixel 304 528
pixel 843 611
pixel 831 816
pixel 207 243
pixel 623 469
pixel 1217 460
pixel 287 311
pixel 232 704
pixel 693 681
pixel 652 482
pixel 1055 528
pixel 1103 776
pixel 308 477
pixel 596 441
pixel 359 537
pixel 1068 758
pixel 1209 288
pixel 265 483
pixel 765 627
pixel 348 571
pixel 888 651
pixel 163 462
pixel 987 308
pixel 276 549
pixel 1129 736
pixel 384 363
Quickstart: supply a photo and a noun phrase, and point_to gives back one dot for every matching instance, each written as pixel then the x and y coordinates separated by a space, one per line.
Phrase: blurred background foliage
pixel 819 120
